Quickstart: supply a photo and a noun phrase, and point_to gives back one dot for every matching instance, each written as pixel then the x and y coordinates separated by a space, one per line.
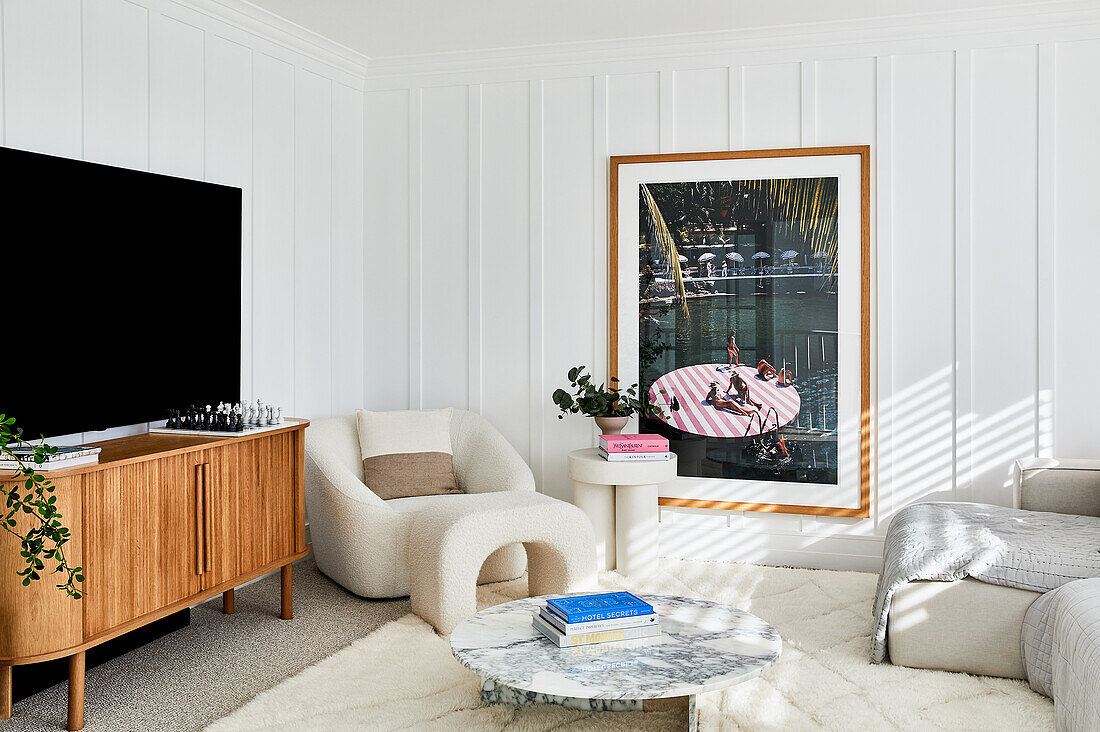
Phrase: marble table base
pixel 494 693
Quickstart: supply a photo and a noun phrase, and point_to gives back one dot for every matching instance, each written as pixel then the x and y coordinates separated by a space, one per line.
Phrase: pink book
pixel 634 443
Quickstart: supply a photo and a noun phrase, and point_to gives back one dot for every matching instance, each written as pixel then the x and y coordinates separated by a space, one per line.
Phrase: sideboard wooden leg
pixel 5 692
pixel 76 691
pixel 228 603
pixel 288 602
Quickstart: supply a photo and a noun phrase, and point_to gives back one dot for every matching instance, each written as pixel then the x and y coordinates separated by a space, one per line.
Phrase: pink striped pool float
pixel 690 386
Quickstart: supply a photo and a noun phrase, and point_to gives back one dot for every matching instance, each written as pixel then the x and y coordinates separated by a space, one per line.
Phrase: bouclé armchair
pixel 361 541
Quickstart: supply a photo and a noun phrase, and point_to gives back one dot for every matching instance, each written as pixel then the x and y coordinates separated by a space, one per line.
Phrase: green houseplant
pixel 610 407
pixel 27 494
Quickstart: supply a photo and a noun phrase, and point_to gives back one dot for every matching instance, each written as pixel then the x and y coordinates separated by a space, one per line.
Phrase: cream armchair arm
pixel 1060 486
pixel 485 462
pixel 357 538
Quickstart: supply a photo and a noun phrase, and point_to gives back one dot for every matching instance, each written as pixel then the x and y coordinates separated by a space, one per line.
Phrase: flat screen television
pixel 121 294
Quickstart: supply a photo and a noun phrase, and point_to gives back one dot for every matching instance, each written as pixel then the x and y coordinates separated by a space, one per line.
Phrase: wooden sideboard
pixel 161 523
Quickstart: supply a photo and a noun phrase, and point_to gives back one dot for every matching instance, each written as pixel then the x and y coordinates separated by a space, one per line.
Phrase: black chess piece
pixel 171 423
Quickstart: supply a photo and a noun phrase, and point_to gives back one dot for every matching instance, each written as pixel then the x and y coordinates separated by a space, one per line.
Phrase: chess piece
pixel 279 415
pixel 172 423
pixel 271 415
pixel 259 420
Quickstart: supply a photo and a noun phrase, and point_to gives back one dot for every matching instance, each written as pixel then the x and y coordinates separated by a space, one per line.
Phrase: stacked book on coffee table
pixel 634 448
pixel 599 618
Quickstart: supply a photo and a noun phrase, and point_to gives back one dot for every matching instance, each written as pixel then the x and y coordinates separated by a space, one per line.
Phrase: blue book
pixel 602 606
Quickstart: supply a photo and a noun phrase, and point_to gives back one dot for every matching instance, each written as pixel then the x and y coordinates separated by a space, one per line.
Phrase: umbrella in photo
pixel 819 255
pixel 789 254
pixel 706 257
pixel 761 255
pixel 683 258
pixel 735 257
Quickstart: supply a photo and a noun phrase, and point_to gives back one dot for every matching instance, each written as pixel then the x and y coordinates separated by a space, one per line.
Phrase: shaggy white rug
pixel 403 675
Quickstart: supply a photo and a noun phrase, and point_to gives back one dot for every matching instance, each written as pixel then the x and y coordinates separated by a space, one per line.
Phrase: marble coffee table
pixel 703 646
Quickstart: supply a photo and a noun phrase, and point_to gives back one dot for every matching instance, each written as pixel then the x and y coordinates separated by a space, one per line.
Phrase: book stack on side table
pixel 599 618
pixel 634 448
pixel 63 459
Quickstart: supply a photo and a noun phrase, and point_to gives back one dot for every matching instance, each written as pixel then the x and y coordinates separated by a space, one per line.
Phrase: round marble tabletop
pixel 703 646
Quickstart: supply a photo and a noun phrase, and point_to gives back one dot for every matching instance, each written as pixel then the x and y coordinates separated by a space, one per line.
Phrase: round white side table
pixel 620 498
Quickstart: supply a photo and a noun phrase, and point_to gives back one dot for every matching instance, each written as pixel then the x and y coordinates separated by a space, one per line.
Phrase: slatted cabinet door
pixel 39 618
pixel 140 530
pixel 267 499
pixel 224 470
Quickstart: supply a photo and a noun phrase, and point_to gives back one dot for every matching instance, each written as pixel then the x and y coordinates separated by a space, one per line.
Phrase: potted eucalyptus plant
pixel 609 407
pixel 30 513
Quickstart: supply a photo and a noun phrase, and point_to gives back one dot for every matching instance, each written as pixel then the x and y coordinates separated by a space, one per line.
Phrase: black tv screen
pixel 121 294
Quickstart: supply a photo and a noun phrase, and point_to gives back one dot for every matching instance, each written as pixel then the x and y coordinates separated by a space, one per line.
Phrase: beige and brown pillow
pixel 407 453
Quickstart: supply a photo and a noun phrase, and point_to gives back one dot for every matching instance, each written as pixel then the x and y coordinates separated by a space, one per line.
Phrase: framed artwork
pixel 740 304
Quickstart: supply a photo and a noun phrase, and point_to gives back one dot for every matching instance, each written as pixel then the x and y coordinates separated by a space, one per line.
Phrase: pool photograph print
pixel 739 304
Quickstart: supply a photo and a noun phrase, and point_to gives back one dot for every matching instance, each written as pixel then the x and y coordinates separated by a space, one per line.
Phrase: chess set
pixel 225 419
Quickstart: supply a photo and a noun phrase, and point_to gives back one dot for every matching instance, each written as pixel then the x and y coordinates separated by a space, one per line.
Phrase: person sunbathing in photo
pixel 785 378
pixel 741 389
pixel 765 370
pixel 715 400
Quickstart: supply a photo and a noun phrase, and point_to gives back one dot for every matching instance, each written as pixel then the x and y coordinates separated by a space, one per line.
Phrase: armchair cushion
pixel 407 453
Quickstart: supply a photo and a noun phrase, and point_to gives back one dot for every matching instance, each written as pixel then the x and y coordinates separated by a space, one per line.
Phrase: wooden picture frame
pixel 856 507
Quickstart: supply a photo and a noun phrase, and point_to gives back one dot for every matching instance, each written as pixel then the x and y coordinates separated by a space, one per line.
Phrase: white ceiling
pixel 379 28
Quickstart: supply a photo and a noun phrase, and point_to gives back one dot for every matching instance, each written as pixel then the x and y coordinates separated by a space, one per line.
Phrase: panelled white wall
pixel 487 240
pixel 179 89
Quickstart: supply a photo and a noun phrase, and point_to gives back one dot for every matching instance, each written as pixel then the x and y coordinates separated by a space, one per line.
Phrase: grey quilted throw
pixel 1031 550
pixel 1061 647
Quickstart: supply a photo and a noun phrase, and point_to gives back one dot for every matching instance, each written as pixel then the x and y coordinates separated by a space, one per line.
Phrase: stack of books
pixel 599 618
pixel 634 448
pixel 63 459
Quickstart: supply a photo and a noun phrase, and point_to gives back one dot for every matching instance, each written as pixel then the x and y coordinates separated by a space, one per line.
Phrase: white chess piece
pixel 279 415
pixel 271 415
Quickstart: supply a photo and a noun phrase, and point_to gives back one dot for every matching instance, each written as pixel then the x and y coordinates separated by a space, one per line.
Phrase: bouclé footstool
pixel 452 539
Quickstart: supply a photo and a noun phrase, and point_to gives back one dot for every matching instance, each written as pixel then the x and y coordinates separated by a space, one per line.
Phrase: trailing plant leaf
pixel 44 540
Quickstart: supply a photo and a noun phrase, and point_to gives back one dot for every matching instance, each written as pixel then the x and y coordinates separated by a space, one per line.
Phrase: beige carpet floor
pixel 403 676
pixel 189 678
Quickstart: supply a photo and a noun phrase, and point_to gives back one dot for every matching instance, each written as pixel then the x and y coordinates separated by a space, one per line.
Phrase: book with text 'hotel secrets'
pixel 600 606
pixel 596 625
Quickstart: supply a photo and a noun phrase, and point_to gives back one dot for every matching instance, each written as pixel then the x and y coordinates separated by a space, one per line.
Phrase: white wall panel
pixel 42 77
pixel 633 114
pixel 386 250
pixel 273 291
pixel 177 107
pixel 444 276
pixel 156 84
pixel 506 260
pixel 312 244
pixel 570 286
pixel 701 109
pixel 347 249
pixel 921 406
pixel 771 108
pixel 227 160
pixel 844 101
pixel 1076 257
pixel 116 83
pixel 1002 294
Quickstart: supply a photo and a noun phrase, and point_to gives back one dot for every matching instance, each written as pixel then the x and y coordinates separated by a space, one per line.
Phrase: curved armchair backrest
pixel 473 441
